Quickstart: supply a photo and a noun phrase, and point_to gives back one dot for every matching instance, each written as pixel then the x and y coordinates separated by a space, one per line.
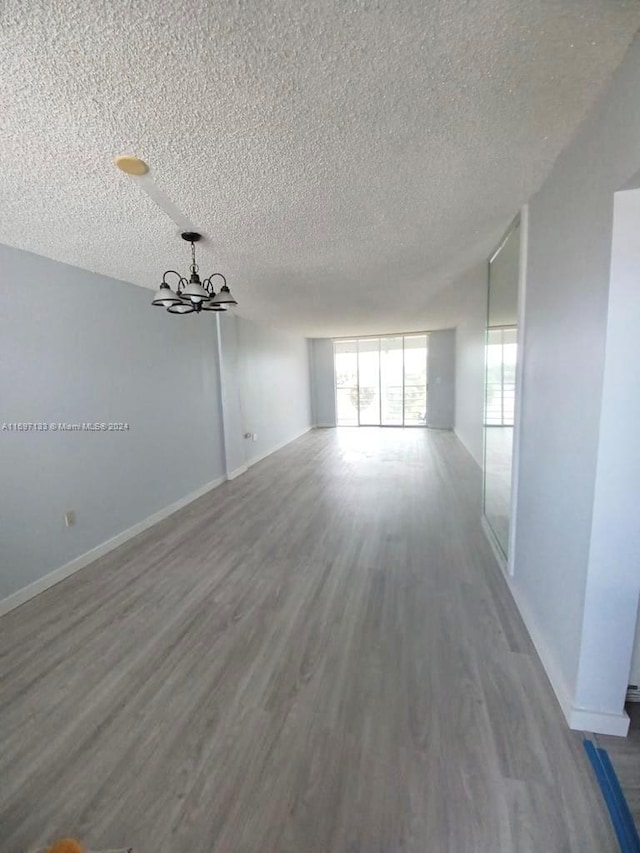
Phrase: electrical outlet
pixel 70 517
pixel 254 436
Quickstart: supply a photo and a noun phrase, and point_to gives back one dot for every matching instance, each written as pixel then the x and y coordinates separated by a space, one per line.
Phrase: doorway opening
pixel 382 381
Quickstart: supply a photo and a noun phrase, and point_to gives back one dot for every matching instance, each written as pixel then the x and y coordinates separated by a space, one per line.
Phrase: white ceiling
pixel 346 159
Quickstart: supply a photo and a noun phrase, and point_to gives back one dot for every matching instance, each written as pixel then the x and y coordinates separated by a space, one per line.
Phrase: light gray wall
pixel 613 583
pixel 234 442
pixel 79 347
pixel 634 674
pixel 564 352
pixel 273 373
pixel 471 296
pixel 441 379
pixel 323 393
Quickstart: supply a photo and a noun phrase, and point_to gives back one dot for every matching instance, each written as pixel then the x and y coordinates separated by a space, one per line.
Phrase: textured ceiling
pixel 345 159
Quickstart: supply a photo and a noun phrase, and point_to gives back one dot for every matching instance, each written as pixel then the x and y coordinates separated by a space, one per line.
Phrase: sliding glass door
pixel 381 381
pixel 345 355
pixel 369 382
pixel 415 380
pixel 391 381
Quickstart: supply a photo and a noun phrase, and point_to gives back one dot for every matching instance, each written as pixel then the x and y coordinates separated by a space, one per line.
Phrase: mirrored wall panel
pixel 501 352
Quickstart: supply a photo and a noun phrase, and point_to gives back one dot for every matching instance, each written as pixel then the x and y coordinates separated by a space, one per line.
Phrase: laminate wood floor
pixel 321 655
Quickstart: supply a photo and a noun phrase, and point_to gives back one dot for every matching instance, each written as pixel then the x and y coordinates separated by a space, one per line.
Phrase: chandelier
pixel 192 294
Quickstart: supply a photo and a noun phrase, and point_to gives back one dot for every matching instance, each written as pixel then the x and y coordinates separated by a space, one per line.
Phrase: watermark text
pixel 60 426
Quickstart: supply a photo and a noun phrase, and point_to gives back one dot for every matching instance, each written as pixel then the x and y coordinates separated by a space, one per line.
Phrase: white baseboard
pixel 559 685
pixel 599 722
pixel 495 547
pixel 31 590
pixel 255 459
pixel 579 719
pixel 241 469
pixel 324 426
pixel 466 447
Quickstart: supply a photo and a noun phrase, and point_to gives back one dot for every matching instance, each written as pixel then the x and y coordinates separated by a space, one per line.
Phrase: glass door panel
pixel 415 380
pixel 346 367
pixel 391 381
pixel 369 381
pixel 381 381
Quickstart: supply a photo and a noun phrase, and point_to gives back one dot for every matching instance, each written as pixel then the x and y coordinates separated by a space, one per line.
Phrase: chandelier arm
pixel 167 272
pixel 208 284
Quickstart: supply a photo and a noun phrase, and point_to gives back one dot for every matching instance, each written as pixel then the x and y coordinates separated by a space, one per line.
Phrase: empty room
pixel 354 567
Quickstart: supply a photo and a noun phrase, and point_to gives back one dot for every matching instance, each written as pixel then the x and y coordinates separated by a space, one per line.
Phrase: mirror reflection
pixel 500 386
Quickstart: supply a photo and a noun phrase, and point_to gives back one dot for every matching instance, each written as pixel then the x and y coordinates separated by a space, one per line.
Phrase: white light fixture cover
pixel 165 297
pixel 224 297
pixel 212 305
pixel 195 292
pixel 181 308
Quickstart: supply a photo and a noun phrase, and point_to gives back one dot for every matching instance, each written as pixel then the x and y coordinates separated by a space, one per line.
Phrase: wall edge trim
pixel 464 444
pixel 547 659
pixel 599 722
pixel 255 459
pixel 237 472
pixel 26 593
pixel 578 719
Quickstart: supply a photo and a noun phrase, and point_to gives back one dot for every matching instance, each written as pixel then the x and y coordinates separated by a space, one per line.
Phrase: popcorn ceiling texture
pixel 345 159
